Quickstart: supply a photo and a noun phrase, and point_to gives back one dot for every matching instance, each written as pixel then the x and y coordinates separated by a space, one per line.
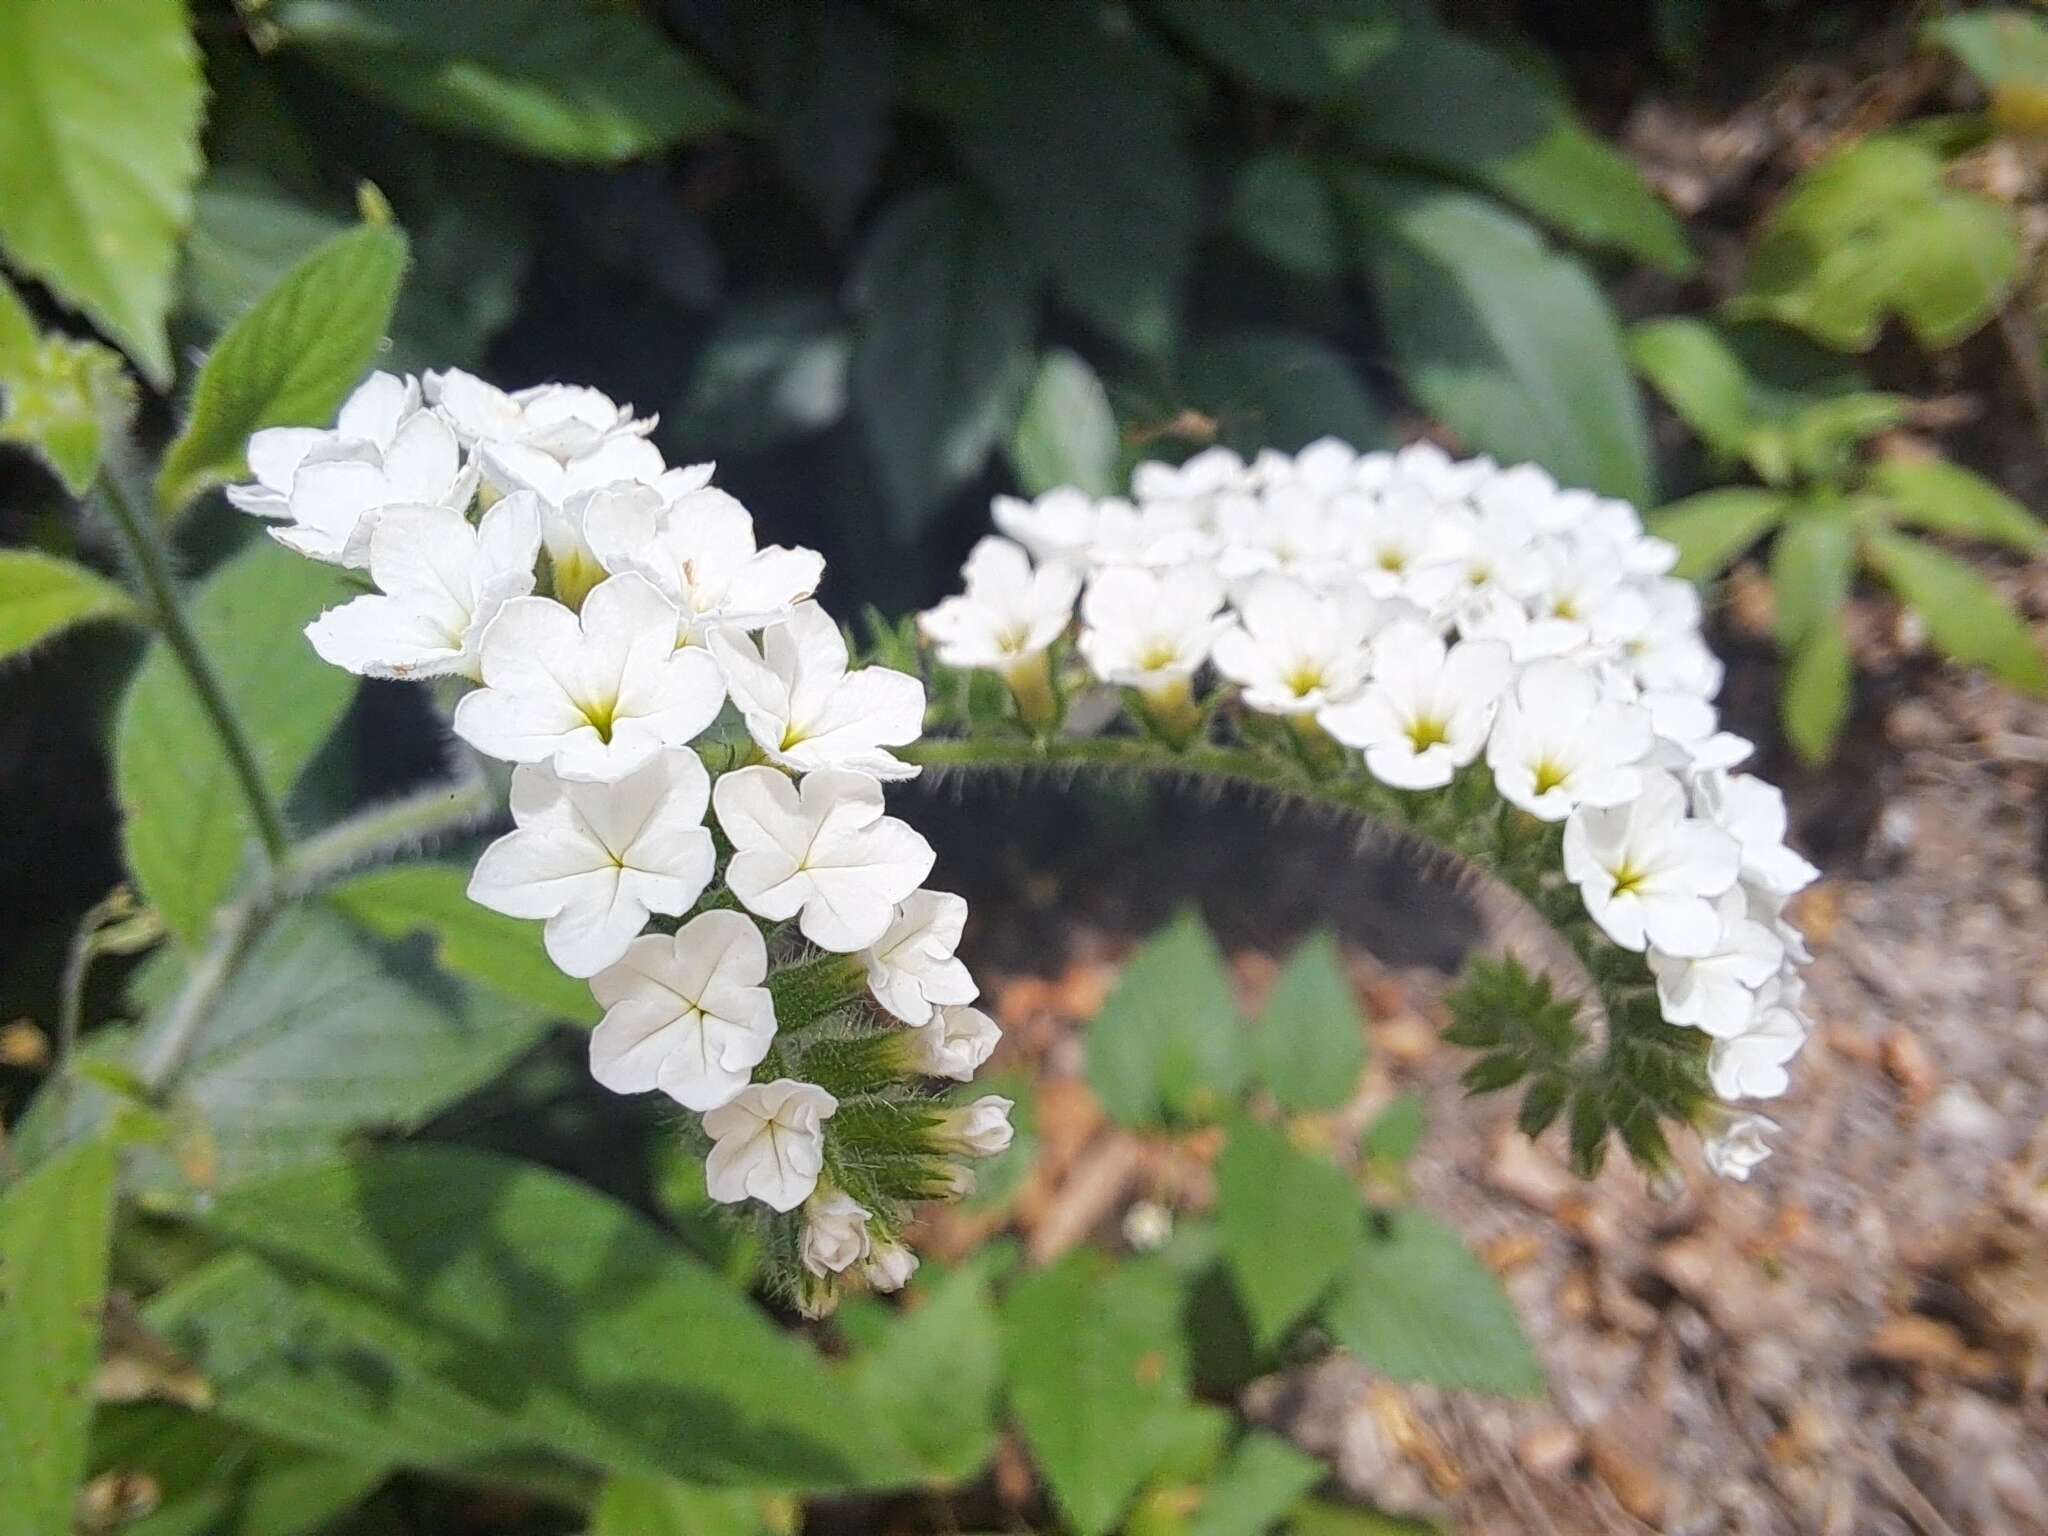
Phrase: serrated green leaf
pixel 41 595
pixel 1967 618
pixel 1280 207
pixel 1813 565
pixel 1280 390
pixel 99 147
pixel 1418 1306
pixel 1510 343
pixel 941 358
pixel 1946 498
pixel 185 827
pixel 582 81
pixel 289 362
pixel 1817 690
pixel 1169 1045
pixel 1288 1221
pixel 1066 434
pixel 1715 527
pixel 772 371
pixel 639 1505
pixel 1256 1487
pixel 1311 1041
pixel 933 1374
pixel 54 1226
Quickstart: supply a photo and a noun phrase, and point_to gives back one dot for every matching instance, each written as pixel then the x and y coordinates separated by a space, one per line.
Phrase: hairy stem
pixel 382 832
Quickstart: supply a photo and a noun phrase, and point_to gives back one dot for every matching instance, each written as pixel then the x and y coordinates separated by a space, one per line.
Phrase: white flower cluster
pixel 607 609
pixel 1430 613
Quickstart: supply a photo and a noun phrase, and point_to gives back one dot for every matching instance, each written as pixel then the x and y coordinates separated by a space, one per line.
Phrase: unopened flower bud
pixel 981 1129
pixel 835 1232
pixel 889 1267
pixel 1148 1226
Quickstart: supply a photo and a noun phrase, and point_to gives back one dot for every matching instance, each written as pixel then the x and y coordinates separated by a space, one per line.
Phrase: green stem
pixel 383 831
pixel 149 555
pixel 168 1047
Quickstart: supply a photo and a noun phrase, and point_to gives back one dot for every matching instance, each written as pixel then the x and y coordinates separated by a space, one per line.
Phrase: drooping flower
pixel 1717 991
pixel 1753 813
pixel 597 693
pixel 911 967
pixel 954 1043
pixel 1736 1144
pixel 980 1129
pixel 1150 630
pixel 806 711
pixel 768 1144
pixel 1559 743
pixel 1649 873
pixel 335 501
pixel 699 550
pixel 595 860
pixel 369 419
pixel 835 1233
pixel 1009 613
pixel 1426 712
pixel 1295 650
pixel 685 1013
pixel 442 581
pixel 1752 1065
pixel 820 851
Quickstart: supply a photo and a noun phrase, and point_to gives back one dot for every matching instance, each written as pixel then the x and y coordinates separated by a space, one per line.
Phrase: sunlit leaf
pixel 41 595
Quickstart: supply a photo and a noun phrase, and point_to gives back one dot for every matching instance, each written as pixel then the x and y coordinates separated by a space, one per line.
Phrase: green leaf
pixel 1308 51
pixel 1097 1364
pixel 639 1505
pixel 288 362
pixel 1257 1486
pixel 1311 1042
pixel 1169 1045
pixel 1946 498
pixel 1390 1141
pixel 1418 1306
pixel 1288 1220
pixel 54 1226
pixel 1512 344
pixel 1872 230
pixel 1813 565
pixel 933 1375
pixel 581 81
pixel 1817 690
pixel 59 397
pixel 1449 105
pixel 1968 619
pixel 1695 370
pixel 558 1311
pixel 1280 207
pixel 2003 47
pixel 825 78
pixel 1277 389
pixel 941 358
pixel 1713 528
pixel 501 953
pixel 99 147
pixel 1316 1518
pixel 247 233
pixel 1067 432
pixel 185 827
pixel 41 595
pixel 772 371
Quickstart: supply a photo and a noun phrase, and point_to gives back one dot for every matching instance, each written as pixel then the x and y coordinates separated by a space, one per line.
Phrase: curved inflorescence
pixel 1464 651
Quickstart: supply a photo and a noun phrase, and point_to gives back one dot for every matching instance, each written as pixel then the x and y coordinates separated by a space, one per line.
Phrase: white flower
pixel 769 1144
pixel 980 1129
pixel 564 421
pixel 699 550
pixel 596 859
pixel 1716 991
pixel 624 456
pixel 1285 528
pixel 1492 613
pixel 597 693
pixel 822 852
pixel 1752 1064
pixel 1406 546
pixel 1426 712
pixel 806 711
pixel 1009 612
pixel 911 967
pixel 1689 734
pixel 574 565
pixel 1558 743
pixel 1753 813
pixel 1294 649
pixel 889 1267
pixel 368 421
pixel 1736 1144
pixel 1666 650
pixel 1148 1226
pixel 335 502
pixel 835 1233
pixel 685 1013
pixel 956 1043
pixel 1060 525
pixel 442 582
pixel 1649 873
pixel 1150 629
pixel 1190 489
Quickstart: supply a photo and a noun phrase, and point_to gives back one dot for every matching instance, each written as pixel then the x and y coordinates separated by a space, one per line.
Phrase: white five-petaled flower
pixel 1150 629
pixel 1753 813
pixel 596 693
pixel 1558 743
pixel 1649 873
pixel 954 1043
pixel 1295 650
pixel 768 1144
pixel 685 1013
pixel 369 419
pixel 835 1233
pixel 1426 712
pixel 911 967
pixel 564 421
pixel 1752 1065
pixel 980 1129
pixel 699 550
pixel 1717 992
pixel 338 494
pixel 1062 524
pixel 806 711
pixel 1736 1143
pixel 820 851
pixel 442 581
pixel 1009 612
pixel 595 860
pixel 624 456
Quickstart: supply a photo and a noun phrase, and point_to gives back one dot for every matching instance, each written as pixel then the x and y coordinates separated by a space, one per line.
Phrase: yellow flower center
pixel 1426 731
pixel 1550 774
